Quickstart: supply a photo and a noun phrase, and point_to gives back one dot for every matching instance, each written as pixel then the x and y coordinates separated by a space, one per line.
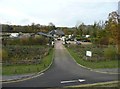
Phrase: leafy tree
pixel 102 37
pixel 113 29
pixel 95 30
pixel 51 26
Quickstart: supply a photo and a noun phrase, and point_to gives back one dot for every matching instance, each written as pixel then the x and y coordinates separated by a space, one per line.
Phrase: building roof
pixel 47 35
pixel 57 32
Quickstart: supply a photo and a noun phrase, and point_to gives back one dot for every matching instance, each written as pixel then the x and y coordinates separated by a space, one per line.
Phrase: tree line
pixel 28 28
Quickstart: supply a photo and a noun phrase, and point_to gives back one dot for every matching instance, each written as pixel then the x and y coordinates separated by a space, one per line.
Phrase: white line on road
pixel 38 75
pixel 81 80
pixel 71 81
pixel 68 81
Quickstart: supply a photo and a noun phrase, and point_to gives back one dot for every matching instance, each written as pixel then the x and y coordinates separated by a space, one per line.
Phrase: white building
pixel 87 36
pixel 14 35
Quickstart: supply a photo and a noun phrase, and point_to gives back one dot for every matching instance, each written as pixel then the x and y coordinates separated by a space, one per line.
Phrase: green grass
pixel 94 65
pixel 24 69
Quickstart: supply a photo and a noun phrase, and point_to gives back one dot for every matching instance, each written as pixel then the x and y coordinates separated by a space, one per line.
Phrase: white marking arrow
pixel 71 81
pixel 81 80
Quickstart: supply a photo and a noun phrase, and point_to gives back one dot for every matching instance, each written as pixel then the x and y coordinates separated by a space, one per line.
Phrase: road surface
pixel 64 72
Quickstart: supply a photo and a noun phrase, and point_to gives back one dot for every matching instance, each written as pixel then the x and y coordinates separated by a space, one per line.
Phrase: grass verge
pixel 94 65
pixel 24 69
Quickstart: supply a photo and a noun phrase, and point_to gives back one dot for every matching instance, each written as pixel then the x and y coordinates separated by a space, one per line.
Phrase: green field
pixel 24 69
pixel 93 64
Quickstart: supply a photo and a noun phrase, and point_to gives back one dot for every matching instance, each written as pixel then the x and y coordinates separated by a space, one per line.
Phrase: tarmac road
pixel 64 72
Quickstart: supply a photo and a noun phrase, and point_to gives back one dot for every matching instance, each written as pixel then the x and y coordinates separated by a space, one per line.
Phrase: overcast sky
pixel 59 12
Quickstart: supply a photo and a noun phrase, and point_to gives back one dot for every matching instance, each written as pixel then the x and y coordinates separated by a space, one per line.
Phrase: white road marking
pixel 81 80
pixel 68 81
pixel 38 75
pixel 71 81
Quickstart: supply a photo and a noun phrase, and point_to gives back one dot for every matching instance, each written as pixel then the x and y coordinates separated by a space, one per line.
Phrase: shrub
pixel 94 40
pixel 110 53
pixel 0 54
pixel 37 40
pixel 111 41
pixel 104 41
pixel 4 54
pixel 21 54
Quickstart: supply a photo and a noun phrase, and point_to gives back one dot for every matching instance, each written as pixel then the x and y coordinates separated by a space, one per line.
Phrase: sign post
pixel 88 54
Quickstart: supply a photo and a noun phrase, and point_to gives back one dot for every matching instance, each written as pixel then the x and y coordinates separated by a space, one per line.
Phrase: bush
pixel 8 41
pixel 104 41
pixel 4 55
pixel 111 41
pixel 99 52
pixel 0 52
pixel 24 41
pixel 38 40
pixel 24 54
pixel 110 53
pixel 94 40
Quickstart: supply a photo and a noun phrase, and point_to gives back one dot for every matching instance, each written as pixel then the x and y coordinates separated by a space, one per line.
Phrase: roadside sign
pixel 89 53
